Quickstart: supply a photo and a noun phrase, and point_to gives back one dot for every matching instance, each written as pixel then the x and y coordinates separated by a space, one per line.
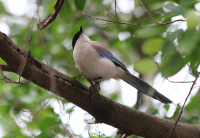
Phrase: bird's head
pixel 76 36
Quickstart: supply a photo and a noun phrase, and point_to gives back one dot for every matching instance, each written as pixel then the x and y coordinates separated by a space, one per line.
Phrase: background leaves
pixel 66 12
pixel 80 4
pixel 174 46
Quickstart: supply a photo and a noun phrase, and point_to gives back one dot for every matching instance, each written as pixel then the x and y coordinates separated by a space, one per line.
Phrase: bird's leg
pixel 98 82
pixel 95 81
pixel 94 91
pixel 94 84
pixel 91 83
pixel 99 88
pixel 84 76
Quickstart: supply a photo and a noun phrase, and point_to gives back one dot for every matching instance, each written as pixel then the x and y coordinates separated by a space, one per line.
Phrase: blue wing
pixel 113 58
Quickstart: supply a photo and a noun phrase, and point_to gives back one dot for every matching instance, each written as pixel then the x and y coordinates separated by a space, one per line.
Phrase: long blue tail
pixel 145 88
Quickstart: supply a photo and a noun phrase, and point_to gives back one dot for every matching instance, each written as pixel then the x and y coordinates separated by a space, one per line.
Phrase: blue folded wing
pixel 139 84
pixel 113 58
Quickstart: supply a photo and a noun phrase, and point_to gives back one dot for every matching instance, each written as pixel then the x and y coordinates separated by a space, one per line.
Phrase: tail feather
pixel 145 88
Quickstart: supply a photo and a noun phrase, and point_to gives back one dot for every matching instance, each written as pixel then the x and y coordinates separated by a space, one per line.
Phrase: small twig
pixel 110 21
pixel 110 15
pixel 7 80
pixel 35 113
pixel 188 65
pixel 138 25
pixel 59 105
pixel 148 12
pixel 179 20
pixel 134 18
pixel 98 133
pixel 30 28
pixel 177 133
pixel 54 133
pixel 106 24
pixel 89 131
pixel 169 133
pixel 90 128
pixel 66 129
pixel 116 11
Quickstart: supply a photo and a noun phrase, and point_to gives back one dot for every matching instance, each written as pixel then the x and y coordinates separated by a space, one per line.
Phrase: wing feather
pixel 104 51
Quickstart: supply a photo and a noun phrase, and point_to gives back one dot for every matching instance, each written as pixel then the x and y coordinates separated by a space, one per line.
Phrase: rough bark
pixel 127 120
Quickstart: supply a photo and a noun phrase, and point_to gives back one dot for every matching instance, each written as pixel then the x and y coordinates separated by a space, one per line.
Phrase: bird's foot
pixel 92 88
pixel 98 87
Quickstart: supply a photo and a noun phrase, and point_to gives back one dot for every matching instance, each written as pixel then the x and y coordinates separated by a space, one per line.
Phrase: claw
pixel 99 88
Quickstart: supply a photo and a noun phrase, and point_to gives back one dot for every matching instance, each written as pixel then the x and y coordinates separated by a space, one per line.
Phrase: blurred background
pixel 30 111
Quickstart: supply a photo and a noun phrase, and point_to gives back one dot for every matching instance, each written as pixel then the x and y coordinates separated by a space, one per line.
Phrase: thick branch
pixel 127 120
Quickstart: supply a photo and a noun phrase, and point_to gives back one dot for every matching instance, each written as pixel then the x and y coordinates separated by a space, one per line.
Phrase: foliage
pixel 177 46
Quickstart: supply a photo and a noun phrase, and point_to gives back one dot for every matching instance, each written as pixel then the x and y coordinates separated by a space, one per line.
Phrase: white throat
pixel 83 39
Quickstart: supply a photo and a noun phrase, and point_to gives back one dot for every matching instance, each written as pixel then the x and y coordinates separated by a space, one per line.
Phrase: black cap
pixel 81 30
pixel 76 36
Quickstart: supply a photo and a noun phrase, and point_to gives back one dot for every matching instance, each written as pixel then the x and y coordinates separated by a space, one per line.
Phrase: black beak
pixel 81 30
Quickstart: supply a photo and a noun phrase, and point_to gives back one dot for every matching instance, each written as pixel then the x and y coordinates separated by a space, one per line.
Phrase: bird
pixel 95 61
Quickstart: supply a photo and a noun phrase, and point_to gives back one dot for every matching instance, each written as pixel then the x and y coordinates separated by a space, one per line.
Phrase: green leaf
pixel 66 12
pixel 69 111
pixel 2 7
pixel 194 63
pixel 174 35
pixel 167 48
pixel 147 32
pixel 171 64
pixel 188 4
pixel 192 19
pixel 50 8
pixel 188 43
pixel 153 46
pixel 80 4
pixel 114 96
pixel 167 107
pixel 175 9
pixel 2 61
pixel 46 123
pixel 157 5
pixel 145 65
pixel 192 104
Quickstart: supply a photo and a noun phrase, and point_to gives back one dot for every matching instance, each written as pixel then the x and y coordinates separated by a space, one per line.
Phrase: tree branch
pixel 127 120
pixel 51 18
pixel 138 25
